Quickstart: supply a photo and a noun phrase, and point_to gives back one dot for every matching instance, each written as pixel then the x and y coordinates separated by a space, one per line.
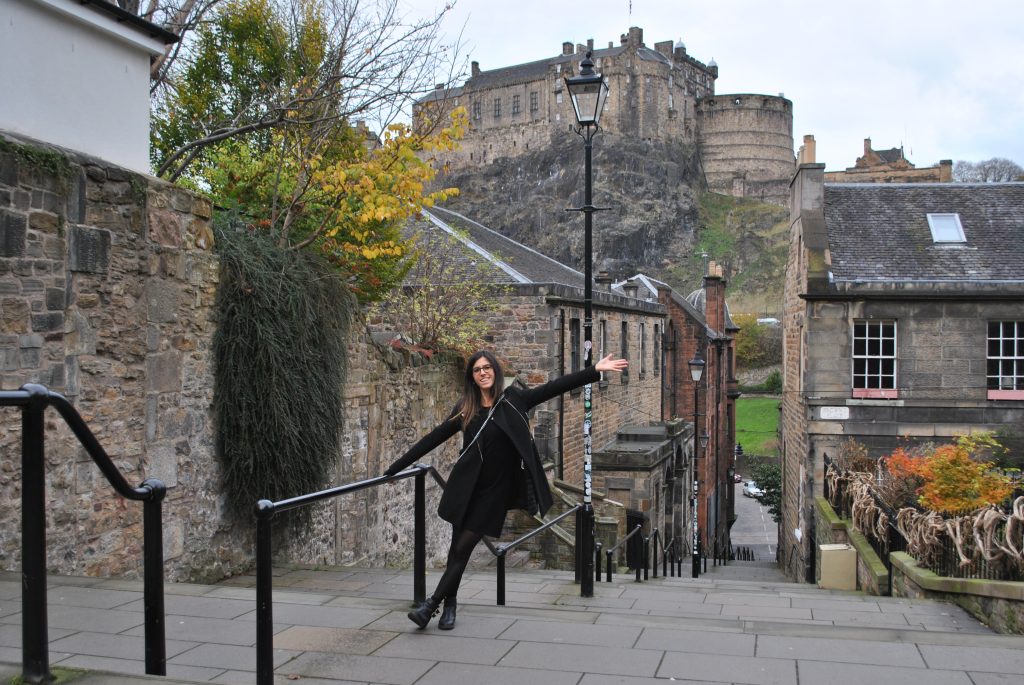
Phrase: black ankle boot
pixel 421 615
pixel 447 620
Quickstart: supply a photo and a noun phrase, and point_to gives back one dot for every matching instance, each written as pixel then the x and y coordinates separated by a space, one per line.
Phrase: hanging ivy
pixel 280 360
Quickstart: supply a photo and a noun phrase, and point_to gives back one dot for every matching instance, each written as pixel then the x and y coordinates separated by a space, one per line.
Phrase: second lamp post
pixel 696 371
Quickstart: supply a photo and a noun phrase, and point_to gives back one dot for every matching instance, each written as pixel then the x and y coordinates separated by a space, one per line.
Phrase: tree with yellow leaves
pixel 264 113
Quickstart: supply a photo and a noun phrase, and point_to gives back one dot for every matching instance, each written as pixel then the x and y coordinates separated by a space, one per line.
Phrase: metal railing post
pixel 645 553
pixel 153 571
pixel 501 576
pixel 419 570
pixel 264 595
pixel 608 561
pixel 578 563
pixel 597 561
pixel 34 647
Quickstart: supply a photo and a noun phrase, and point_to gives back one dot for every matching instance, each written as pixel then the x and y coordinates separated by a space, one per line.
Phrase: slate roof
pixel 894 154
pixel 491 257
pixel 879 233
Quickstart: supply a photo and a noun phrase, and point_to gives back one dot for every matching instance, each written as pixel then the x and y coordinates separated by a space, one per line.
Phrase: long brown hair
pixel 472 397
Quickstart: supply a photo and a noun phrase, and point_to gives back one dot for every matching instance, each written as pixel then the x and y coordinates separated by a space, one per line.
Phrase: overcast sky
pixel 943 78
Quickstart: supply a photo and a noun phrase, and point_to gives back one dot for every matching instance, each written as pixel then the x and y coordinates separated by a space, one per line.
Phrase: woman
pixel 498 469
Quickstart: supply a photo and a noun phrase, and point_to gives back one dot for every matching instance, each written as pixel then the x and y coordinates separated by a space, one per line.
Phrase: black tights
pixel 463 542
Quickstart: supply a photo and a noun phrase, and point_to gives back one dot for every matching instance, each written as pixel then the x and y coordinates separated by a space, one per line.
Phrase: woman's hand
pixel 609 364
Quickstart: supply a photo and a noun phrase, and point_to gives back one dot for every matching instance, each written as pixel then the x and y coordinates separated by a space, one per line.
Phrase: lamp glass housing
pixel 696 369
pixel 588 94
pixel 704 438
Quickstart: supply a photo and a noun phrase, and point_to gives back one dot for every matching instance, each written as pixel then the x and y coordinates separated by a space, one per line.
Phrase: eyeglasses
pixel 486 368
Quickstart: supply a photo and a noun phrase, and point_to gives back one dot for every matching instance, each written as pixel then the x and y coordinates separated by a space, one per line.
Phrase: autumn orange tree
pixel 953 477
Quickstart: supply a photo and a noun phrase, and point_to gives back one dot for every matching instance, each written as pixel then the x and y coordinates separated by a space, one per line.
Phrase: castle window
pixel 656 359
pixel 874 359
pixel 497 108
pixel 643 349
pixel 476 111
pixel 603 342
pixel 533 102
pixel 624 351
pixel 1005 360
pixel 515 104
pixel 574 345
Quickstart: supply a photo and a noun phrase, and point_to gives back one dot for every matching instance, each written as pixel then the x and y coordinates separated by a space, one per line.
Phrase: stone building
pixel 887 166
pixel 699 327
pixel 655 94
pixel 903 321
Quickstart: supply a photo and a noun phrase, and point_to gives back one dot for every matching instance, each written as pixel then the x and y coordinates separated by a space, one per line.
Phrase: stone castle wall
pixel 652 96
pixel 747 145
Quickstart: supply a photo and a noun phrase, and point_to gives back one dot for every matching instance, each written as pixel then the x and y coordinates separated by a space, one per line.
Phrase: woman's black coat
pixel 532 492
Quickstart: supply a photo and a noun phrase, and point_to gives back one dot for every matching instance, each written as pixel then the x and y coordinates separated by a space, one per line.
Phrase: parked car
pixel 750 489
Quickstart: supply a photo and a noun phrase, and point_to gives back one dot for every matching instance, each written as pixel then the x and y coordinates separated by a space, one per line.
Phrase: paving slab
pixel 572 633
pixel 859 674
pixel 599 679
pixel 697 641
pixel 609 660
pixel 840 651
pixel 452 674
pixel 447 648
pixel 341 640
pixel 730 669
pixel 227 657
pixel 980 659
pixel 215 630
pixel 116 646
pixel 368 669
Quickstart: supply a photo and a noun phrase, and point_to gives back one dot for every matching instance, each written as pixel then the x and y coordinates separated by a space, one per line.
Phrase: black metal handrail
pixel 611 550
pixel 669 559
pixel 33 400
pixel 266 510
pixel 502 550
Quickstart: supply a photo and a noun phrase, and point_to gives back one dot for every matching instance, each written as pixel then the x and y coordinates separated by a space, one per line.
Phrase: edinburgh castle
pixel 745 141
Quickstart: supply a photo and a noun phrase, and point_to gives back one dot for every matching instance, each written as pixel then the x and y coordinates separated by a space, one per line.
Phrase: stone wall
pixel 108 280
pixel 107 284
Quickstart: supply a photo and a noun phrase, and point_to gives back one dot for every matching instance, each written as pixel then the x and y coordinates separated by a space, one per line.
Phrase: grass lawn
pixel 757 419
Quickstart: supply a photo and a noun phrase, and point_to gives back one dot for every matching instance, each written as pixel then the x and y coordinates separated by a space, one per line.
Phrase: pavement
pixel 754 528
pixel 742 623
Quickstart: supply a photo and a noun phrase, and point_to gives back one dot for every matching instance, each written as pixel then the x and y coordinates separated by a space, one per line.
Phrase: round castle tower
pixel 747 145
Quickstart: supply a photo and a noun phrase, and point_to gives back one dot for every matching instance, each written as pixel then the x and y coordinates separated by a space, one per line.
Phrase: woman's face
pixel 483 374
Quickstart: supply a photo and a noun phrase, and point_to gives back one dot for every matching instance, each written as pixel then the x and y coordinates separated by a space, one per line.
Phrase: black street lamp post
pixel 696 371
pixel 588 92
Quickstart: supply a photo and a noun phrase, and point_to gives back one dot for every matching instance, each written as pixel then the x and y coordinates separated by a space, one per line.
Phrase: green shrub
pixel 279 368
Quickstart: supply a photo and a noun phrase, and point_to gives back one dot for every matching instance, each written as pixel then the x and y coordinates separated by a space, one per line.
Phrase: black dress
pixel 495 487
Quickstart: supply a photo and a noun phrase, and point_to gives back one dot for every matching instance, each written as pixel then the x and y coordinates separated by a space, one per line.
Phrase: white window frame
pixel 944 225
pixel 870 355
pixel 1004 356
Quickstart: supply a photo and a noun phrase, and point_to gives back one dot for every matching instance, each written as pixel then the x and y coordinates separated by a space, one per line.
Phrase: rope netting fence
pixel 987 543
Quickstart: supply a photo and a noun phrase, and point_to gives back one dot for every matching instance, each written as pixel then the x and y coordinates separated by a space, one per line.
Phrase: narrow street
pixel 754 527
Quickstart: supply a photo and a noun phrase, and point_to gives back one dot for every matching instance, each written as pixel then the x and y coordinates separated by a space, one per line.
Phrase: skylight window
pixel 946 228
